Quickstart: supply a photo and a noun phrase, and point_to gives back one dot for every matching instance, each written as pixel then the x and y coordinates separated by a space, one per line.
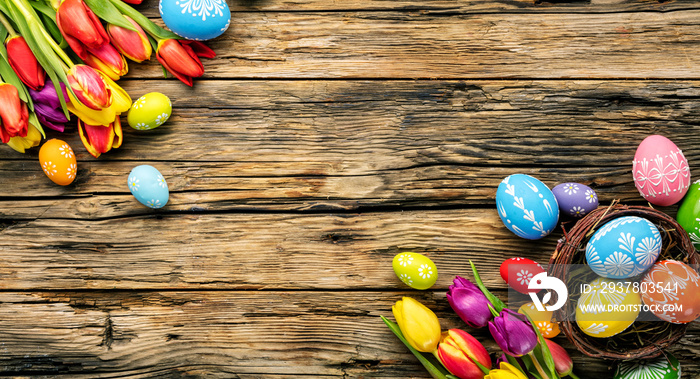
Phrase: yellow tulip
pixel 505 371
pixel 23 143
pixel 120 103
pixel 418 324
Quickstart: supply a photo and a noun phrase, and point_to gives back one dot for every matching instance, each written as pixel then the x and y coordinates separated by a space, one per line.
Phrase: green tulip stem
pixel 36 25
pixel 571 374
pixel 537 366
pixel 432 369
pixel 6 23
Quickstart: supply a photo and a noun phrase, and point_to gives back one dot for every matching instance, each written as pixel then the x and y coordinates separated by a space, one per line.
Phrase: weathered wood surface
pixel 449 45
pixel 308 157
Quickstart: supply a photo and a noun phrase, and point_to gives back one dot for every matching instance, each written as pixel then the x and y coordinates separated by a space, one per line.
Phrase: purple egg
pixel 575 199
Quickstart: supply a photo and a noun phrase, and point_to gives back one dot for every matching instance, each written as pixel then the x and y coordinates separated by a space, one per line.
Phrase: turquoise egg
pixel 527 206
pixel 148 186
pixel 624 247
pixel 196 20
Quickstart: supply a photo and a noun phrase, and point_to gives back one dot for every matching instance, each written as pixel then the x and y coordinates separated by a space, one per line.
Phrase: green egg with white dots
pixel 149 111
pixel 415 270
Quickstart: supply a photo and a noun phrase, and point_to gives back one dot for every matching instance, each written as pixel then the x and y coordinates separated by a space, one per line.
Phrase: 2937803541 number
pixel 636 287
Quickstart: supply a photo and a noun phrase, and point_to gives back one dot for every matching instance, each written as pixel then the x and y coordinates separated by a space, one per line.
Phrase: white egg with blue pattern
pixel 527 206
pixel 148 186
pixel 624 247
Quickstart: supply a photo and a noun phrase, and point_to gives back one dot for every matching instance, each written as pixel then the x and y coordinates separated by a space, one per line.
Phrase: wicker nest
pixel 644 339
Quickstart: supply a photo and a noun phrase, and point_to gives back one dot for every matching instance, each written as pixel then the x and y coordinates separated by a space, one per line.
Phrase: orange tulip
pixel 107 60
pixel 132 44
pixel 24 63
pixel 100 139
pixel 14 113
pixel 89 87
pixel 181 58
pixel 80 27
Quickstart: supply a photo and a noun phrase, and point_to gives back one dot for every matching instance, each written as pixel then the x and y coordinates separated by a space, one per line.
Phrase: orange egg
pixel 58 162
pixel 670 290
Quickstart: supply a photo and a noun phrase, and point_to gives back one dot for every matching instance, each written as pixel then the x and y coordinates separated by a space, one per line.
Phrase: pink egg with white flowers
pixel 660 171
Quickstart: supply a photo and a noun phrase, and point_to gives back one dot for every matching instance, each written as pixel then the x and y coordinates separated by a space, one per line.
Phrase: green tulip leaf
pixel 109 13
pixel 498 305
pixel 149 26
pixel 433 370
pixel 544 353
pixel 35 121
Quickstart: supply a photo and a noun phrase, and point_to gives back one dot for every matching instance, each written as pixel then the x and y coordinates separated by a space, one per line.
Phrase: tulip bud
pixel 458 351
pixel 181 58
pixel 107 60
pixel 47 106
pixel 80 27
pixel 14 113
pixel 21 144
pixel 100 139
pixel 89 87
pixel 513 333
pixel 506 371
pixel 418 324
pixel 24 63
pixel 562 360
pixel 470 304
pixel 132 44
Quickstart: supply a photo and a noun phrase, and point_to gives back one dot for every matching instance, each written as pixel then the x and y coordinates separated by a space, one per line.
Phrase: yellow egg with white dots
pixel 542 319
pixel 415 270
pixel 149 111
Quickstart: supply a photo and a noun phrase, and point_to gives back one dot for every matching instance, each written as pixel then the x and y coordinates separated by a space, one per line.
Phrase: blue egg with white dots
pixel 527 206
pixel 196 20
pixel 148 186
pixel 624 247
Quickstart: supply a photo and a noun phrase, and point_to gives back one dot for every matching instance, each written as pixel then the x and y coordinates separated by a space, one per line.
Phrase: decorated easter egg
pixel 688 215
pixel 575 199
pixel 149 111
pixel 527 206
pixel 670 290
pixel 148 186
pixel 607 307
pixel 624 247
pixel 542 319
pixel 58 162
pixel 663 367
pixel 660 171
pixel 415 270
pixel 196 20
pixel 517 272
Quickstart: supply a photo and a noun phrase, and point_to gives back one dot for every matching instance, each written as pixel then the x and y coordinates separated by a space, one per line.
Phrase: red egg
pixel 517 272
pixel 670 290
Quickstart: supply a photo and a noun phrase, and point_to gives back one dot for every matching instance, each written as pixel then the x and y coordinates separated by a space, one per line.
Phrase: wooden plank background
pixel 326 137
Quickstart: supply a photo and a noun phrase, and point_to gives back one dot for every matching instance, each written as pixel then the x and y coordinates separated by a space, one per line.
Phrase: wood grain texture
pixel 228 335
pixel 393 44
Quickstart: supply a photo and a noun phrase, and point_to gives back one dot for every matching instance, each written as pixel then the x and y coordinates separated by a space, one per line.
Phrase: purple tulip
pixel 513 333
pixel 470 304
pixel 47 106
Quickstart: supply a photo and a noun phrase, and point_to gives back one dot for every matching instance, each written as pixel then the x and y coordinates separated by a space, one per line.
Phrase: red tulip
pixel 132 44
pixel 89 87
pixel 14 113
pixel 181 58
pixel 80 27
pixel 562 360
pixel 100 139
pixel 107 60
pixel 458 351
pixel 132 1
pixel 24 63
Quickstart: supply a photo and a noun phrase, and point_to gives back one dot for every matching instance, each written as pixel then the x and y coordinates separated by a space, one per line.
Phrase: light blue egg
pixel 148 186
pixel 197 20
pixel 527 206
pixel 624 247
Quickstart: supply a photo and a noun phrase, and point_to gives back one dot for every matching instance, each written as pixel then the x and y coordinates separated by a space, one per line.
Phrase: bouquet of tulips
pixel 63 57
pixel 457 354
